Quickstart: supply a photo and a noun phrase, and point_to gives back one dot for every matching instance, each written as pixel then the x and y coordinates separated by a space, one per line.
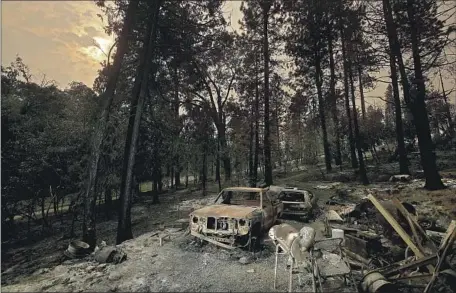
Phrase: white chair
pixel 294 244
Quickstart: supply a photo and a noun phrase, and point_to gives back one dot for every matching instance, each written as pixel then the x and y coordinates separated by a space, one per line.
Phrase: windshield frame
pixel 240 190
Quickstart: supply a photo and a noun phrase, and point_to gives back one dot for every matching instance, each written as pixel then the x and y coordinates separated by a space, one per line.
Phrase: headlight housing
pixel 243 226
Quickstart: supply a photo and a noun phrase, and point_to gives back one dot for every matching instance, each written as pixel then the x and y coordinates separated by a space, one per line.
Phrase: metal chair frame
pixel 319 246
pixel 293 265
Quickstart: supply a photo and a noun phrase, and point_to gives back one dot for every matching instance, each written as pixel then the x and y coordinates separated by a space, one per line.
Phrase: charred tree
pixel 204 169
pixel 266 6
pixel 217 164
pixel 257 126
pixel 137 104
pixel 108 202
pixel 225 157
pixel 321 110
pixel 176 104
pixel 354 161
pixel 335 118
pixel 362 167
pixel 403 162
pixel 251 145
pixel 89 221
pixel 418 106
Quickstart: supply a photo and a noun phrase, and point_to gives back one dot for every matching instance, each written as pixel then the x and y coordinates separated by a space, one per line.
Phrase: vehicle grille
pixel 219 224
pixel 222 224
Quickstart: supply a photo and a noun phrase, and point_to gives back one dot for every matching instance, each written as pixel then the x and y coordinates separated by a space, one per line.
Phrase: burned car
pixel 297 202
pixel 238 217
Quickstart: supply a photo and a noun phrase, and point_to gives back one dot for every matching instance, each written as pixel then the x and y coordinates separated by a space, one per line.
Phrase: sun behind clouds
pixel 99 50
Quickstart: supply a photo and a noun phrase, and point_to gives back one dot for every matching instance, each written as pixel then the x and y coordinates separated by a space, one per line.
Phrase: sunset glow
pixel 99 52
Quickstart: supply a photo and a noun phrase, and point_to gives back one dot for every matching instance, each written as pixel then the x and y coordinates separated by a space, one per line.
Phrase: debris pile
pixel 386 245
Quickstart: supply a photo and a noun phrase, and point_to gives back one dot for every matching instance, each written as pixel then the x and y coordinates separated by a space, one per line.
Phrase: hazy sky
pixel 56 38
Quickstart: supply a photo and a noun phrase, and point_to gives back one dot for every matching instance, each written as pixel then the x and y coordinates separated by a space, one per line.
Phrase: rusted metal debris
pixel 367 248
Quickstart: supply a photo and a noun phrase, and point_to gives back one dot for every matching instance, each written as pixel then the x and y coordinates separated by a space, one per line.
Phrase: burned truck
pixel 238 217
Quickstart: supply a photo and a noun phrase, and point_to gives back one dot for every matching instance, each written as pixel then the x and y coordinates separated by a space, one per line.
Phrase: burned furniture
pixel 321 260
pixel 294 244
pixel 297 202
pixel 237 218
pixel 329 261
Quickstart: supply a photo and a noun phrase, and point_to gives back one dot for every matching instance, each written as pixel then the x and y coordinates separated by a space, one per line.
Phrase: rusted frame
pixel 391 270
pixel 447 242
pixel 208 239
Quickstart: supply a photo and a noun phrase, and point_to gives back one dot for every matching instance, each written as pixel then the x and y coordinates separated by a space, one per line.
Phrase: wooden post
pixel 398 229
pixel 412 223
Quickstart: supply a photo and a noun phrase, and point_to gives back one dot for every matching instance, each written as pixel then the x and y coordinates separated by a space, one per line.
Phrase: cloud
pixel 50 36
pixel 91 30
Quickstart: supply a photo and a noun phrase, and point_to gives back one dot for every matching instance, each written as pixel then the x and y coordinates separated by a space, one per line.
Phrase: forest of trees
pixel 182 95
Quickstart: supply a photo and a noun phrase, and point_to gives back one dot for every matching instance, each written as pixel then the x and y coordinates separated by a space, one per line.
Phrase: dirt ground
pixel 181 264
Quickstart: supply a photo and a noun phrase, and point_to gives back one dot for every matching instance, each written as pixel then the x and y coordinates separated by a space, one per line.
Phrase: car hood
pixel 230 211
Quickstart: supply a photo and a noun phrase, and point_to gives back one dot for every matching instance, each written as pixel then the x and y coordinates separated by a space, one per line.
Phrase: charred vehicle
pixel 297 202
pixel 238 217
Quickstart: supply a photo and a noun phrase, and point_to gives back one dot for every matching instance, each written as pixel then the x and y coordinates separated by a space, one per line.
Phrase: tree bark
pixel 139 92
pixel 204 169
pixel 186 176
pixel 354 161
pixel 362 167
pixel 321 109
pixel 225 157
pixel 267 139
pixel 251 145
pixel 217 163
pixel 279 151
pixel 89 221
pixel 108 203
pixel 335 118
pixel 417 103
pixel 257 126
pixel 419 113
pixel 177 182
pixel 403 161
pixel 156 188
